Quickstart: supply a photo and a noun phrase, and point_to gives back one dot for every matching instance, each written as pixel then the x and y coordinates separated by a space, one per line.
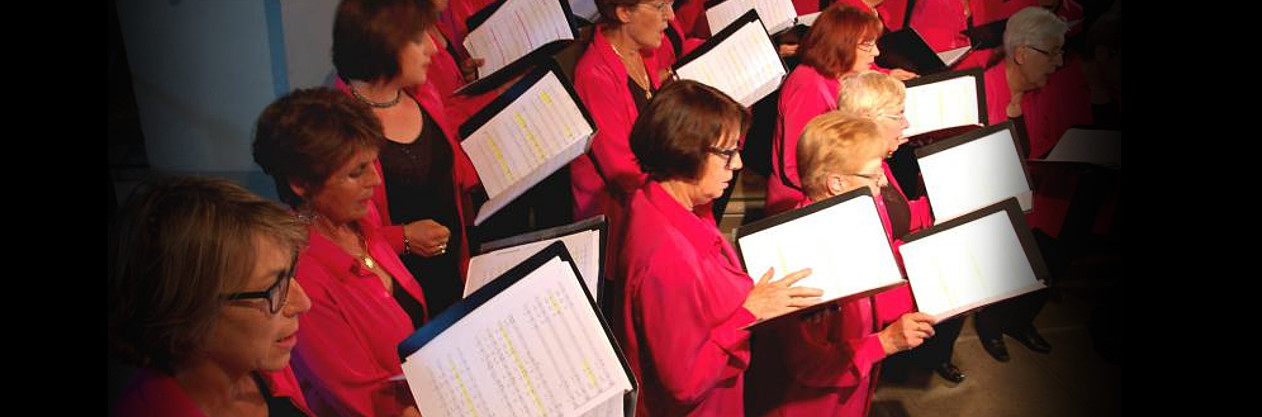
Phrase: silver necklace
pixel 398 95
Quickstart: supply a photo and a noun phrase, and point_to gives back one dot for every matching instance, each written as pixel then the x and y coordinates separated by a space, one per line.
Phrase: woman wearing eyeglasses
pixel 201 297
pixel 842 41
pixel 319 146
pixel 615 78
pixel 685 299
pixel 881 98
pixel 823 365
pixel 1020 88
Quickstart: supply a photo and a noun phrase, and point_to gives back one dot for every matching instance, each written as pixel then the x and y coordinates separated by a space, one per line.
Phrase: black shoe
pixel 950 372
pixel 996 348
pixel 1031 338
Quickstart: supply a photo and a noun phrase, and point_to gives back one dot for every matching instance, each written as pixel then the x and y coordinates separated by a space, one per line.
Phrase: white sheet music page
pixel 537 134
pixel 808 19
pixel 777 15
pixel 844 245
pixel 951 56
pixel 514 30
pixel 744 66
pixel 584 248
pixel 974 175
pixel 537 348
pixel 941 105
pixel 968 266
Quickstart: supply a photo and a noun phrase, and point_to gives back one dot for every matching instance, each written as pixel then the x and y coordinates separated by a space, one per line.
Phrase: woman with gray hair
pixel 1023 85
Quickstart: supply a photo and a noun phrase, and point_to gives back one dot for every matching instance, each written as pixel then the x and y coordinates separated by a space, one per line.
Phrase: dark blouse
pixel 418 181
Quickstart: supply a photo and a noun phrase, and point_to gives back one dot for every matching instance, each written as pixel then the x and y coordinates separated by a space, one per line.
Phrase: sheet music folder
pixel 987 36
pixel 974 170
pixel 906 49
pixel 519 344
pixel 766 72
pixel 488 80
pixel 593 278
pixel 980 258
pixel 514 150
pixel 1087 145
pixel 945 105
pixel 778 15
pixel 841 239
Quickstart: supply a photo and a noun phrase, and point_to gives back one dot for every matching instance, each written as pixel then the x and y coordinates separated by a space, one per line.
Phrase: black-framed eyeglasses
pixel 726 154
pixel 278 293
pixel 1052 55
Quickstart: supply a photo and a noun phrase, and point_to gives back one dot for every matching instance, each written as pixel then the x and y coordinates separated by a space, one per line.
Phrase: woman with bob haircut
pixel 383 50
pixel 685 299
pixel 202 299
pixel 842 41
pixel 320 147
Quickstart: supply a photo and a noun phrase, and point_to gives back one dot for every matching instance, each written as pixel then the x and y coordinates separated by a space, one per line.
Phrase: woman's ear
pixel 301 190
pixel 1018 56
pixel 836 184
pixel 624 13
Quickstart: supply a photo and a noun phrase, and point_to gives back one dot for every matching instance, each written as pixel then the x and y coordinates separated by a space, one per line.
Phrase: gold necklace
pixel 648 85
pixel 367 258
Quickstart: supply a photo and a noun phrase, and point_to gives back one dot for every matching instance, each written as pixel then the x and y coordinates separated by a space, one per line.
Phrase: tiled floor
pixel 1073 380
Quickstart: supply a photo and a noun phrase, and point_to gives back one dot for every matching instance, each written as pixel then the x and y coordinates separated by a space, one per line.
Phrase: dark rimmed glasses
pixel 278 293
pixel 726 154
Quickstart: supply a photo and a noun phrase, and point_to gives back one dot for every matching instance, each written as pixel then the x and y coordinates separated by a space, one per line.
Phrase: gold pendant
pixel 368 262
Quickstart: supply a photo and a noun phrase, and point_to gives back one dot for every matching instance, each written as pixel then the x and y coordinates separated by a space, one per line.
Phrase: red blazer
pixel 1050 111
pixel 348 348
pixel 609 170
pixel 156 394
pixel 940 23
pixel 891 12
pixel 453 21
pixel 682 310
pixel 463 176
pixel 804 95
pixel 825 368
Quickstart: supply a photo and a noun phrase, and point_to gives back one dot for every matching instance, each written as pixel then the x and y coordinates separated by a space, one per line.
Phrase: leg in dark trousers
pixel 934 354
pixel 1014 317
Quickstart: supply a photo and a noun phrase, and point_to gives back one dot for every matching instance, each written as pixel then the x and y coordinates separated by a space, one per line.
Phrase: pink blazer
pixel 347 349
pixel 609 170
pixel 682 310
pixel 805 94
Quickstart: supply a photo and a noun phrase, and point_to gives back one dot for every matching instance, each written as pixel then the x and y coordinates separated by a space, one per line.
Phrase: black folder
pixel 435 328
pixel 596 223
pixel 487 82
pixel 987 36
pixel 906 49
pixel 797 214
pixel 946 132
pixel 1029 246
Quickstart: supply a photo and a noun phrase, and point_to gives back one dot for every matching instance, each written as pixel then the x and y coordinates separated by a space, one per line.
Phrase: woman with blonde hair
pixel 881 98
pixel 826 363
